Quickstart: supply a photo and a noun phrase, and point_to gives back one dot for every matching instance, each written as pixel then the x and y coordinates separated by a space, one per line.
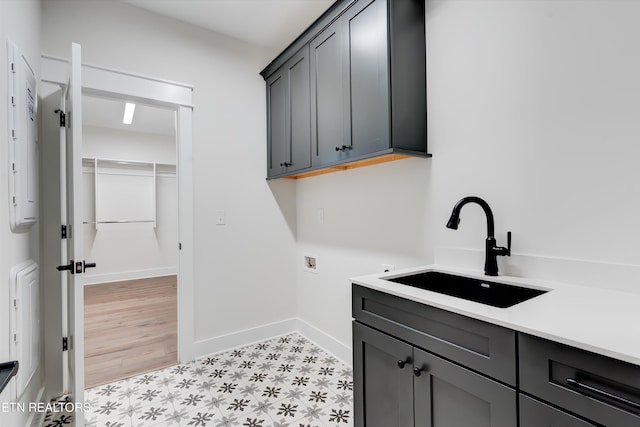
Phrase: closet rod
pixel 119 222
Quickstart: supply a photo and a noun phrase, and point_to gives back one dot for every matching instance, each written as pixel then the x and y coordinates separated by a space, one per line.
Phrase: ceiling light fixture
pixel 129 108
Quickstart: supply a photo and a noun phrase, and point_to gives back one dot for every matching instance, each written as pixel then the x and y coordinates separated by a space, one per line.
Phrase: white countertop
pixel 598 320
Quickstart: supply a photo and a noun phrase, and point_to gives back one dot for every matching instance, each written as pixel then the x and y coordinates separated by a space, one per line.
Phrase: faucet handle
pixel 501 250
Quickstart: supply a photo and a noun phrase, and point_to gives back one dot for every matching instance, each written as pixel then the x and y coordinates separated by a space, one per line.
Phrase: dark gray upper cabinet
pixel 367 75
pixel 329 123
pixel 288 121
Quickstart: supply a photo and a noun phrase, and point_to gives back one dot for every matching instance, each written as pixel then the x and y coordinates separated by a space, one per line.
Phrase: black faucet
pixel 491 250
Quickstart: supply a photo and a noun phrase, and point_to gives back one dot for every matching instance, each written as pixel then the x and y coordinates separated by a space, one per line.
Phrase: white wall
pixel 532 105
pixel 130 251
pixel 124 145
pixel 372 216
pixel 244 273
pixel 19 21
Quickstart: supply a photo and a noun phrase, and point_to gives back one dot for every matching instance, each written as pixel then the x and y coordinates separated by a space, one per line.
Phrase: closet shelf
pixel 143 170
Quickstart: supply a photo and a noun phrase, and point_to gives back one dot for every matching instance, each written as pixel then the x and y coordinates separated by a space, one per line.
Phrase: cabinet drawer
pixel 536 414
pixel 480 346
pixel 598 388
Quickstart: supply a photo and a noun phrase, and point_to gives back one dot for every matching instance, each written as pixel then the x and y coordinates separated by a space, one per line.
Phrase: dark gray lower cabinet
pixel 538 414
pixel 416 365
pixel 383 379
pixel 448 395
pixel 396 384
pixel 598 388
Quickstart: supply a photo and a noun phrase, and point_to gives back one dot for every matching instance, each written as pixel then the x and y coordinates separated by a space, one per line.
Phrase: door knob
pixel 88 265
pixel 417 371
pixel 67 267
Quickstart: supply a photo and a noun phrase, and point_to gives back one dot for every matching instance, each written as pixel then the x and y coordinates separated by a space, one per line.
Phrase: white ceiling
pixel 269 23
pixel 272 24
pixel 107 113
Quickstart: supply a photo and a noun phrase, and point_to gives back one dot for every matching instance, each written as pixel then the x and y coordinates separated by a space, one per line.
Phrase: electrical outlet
pixel 387 267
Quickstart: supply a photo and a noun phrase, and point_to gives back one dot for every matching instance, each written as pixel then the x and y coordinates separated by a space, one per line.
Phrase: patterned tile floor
pixel 284 381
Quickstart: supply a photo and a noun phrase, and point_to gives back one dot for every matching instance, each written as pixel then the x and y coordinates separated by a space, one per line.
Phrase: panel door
pixel 383 385
pixel 298 130
pixel 329 128
pixel 73 211
pixel 448 395
pixel 367 77
pixel 536 414
pixel 276 123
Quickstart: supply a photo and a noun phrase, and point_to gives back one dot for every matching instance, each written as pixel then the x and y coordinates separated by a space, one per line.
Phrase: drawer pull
pixel 601 393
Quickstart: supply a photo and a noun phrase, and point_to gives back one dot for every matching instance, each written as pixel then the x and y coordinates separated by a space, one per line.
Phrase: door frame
pixel 102 81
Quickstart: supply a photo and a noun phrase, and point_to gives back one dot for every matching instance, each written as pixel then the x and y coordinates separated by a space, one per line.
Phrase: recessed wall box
pixel 24 322
pixel 22 135
pixel 311 263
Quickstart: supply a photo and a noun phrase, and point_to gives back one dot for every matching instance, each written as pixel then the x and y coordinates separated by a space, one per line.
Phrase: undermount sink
pixel 482 291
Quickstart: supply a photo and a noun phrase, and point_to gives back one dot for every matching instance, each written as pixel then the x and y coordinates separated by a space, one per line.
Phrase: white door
pixel 75 265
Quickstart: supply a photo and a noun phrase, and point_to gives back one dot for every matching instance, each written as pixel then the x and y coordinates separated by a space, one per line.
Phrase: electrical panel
pixel 23 144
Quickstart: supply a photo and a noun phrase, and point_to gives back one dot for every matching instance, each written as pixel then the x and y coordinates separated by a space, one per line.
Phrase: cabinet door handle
pixel 602 393
pixel 418 371
pixel 401 363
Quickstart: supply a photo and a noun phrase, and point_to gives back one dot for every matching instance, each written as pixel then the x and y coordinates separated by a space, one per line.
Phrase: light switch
pixel 220 220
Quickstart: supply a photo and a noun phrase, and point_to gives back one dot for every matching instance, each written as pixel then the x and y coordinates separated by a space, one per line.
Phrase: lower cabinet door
pixel 382 379
pixel 448 395
pixel 537 414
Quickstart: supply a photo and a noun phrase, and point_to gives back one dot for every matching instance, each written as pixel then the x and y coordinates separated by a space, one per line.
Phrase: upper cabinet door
pixel 329 129
pixel 298 112
pixel 368 77
pixel 289 117
pixel 276 123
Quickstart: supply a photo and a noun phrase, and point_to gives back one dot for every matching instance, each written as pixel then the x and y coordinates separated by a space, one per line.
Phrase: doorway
pixel 129 228
pixel 103 82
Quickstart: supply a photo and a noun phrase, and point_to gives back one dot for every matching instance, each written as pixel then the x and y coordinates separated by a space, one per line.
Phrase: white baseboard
pixel 92 279
pixel 271 330
pixel 327 342
pixel 36 419
pixel 244 337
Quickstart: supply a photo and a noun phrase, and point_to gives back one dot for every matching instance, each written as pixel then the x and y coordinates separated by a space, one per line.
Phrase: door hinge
pixel 65 343
pixel 64 232
pixel 179 246
pixel 63 117
pixel 13 67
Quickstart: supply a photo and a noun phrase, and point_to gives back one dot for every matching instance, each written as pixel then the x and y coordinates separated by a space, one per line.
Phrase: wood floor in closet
pixel 130 328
